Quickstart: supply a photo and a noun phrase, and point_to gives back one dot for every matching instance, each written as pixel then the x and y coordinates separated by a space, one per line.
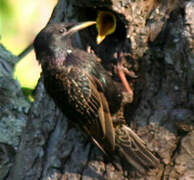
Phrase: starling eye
pixel 61 31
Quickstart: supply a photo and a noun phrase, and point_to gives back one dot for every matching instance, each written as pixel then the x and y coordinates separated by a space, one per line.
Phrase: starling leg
pixel 121 71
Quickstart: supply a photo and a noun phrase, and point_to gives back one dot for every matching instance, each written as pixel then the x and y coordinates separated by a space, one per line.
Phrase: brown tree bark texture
pixel 157 37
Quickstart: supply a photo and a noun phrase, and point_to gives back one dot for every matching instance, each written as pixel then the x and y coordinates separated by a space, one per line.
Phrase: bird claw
pixel 91 51
pixel 130 73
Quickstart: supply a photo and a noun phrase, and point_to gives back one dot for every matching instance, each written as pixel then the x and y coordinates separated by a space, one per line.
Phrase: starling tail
pixel 133 150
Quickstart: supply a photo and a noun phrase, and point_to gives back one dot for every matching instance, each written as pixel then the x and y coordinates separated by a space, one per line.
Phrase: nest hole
pixel 112 42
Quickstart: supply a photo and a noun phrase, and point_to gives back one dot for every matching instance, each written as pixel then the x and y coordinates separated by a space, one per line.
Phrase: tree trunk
pixel 156 38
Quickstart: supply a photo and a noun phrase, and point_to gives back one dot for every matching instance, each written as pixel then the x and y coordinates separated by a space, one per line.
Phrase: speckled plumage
pixel 86 93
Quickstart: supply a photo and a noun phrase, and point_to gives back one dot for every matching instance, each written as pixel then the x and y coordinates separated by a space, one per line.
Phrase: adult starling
pixel 85 93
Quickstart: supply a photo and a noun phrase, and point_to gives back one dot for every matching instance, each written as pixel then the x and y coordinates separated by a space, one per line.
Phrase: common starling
pixel 87 95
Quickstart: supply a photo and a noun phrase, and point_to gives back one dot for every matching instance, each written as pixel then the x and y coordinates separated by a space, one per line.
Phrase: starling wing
pixel 80 98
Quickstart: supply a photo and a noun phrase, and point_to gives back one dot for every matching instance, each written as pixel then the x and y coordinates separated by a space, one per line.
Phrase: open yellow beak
pixel 106 25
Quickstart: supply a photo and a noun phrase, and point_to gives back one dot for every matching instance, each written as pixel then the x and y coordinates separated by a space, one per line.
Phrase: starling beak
pixel 80 87
pixel 81 26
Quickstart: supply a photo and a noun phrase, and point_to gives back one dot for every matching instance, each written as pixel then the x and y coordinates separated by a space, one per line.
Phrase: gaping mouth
pixel 106 25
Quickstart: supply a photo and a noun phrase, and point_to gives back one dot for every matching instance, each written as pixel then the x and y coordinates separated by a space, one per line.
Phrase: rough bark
pixel 157 38
pixel 13 111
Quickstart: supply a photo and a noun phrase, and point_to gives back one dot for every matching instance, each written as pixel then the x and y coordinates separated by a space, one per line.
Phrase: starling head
pixel 56 38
